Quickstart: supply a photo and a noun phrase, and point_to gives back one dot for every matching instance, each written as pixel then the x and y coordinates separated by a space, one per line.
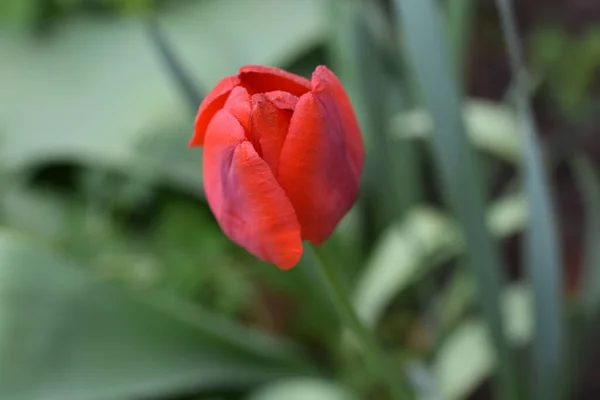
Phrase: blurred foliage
pixel 568 64
pixel 116 281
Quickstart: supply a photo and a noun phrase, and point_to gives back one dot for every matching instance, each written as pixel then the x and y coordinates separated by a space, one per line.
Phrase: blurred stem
pixel 190 92
pixel 397 383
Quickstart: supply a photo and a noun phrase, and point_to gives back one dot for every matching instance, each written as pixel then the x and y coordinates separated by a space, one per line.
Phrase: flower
pixel 282 160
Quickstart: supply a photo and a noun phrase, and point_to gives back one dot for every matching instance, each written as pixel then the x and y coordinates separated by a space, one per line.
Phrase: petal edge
pixel 212 102
pixel 315 170
pixel 337 106
pixel 261 79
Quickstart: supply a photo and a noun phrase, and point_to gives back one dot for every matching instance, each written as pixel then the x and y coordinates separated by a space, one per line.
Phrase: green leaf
pixel 424 239
pixel 65 335
pixel 161 156
pixel 541 245
pixel 398 258
pixel 492 127
pixel 425 37
pixel 470 341
pixel 568 64
pixel 180 76
pixel 92 90
pixel 458 295
pixel 36 212
pixel 302 389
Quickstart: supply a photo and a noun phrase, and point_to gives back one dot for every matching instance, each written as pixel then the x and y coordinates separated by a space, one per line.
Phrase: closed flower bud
pixel 283 158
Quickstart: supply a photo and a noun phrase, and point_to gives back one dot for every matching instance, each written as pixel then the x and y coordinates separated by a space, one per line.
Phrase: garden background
pixel 472 253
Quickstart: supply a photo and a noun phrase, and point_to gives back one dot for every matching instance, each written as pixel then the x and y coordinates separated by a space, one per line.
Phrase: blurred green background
pixel 472 253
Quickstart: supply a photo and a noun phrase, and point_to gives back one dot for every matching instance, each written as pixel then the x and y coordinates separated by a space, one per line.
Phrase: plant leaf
pixel 65 335
pixel 470 341
pixel 410 249
pixel 542 248
pixel 90 92
pixel 301 389
pixel 425 38
pixel 492 127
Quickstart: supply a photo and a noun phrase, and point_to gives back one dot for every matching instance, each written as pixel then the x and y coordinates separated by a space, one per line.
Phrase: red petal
pixel 282 100
pixel 238 104
pixel 337 107
pixel 270 124
pixel 261 79
pixel 213 102
pixel 250 206
pixel 318 170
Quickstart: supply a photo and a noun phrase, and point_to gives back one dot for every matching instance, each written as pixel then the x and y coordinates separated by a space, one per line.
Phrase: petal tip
pixel 322 68
pixel 195 142
pixel 255 68
pixel 292 260
pixel 212 102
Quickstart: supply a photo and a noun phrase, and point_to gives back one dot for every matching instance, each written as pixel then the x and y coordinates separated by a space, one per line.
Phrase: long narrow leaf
pixel 457 164
pixel 541 244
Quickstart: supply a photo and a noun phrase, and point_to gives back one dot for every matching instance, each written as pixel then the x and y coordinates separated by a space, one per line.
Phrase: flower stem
pixel 379 364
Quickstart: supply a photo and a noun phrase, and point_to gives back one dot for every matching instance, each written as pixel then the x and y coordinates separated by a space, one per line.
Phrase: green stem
pixel 399 387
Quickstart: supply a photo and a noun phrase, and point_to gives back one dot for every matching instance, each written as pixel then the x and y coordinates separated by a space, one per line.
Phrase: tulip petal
pixel 261 79
pixel 270 123
pixel 250 206
pixel 238 104
pixel 282 100
pixel 329 91
pixel 317 169
pixel 212 102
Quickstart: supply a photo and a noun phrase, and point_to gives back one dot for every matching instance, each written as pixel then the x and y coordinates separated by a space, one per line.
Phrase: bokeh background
pixel 117 283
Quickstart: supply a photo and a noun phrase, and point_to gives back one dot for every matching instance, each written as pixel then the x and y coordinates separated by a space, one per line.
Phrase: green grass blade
pixel 541 244
pixel 424 35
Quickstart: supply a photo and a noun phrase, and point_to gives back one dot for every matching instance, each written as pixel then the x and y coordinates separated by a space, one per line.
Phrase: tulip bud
pixel 283 158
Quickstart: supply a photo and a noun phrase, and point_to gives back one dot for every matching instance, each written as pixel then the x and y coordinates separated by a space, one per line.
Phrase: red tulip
pixel 282 159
